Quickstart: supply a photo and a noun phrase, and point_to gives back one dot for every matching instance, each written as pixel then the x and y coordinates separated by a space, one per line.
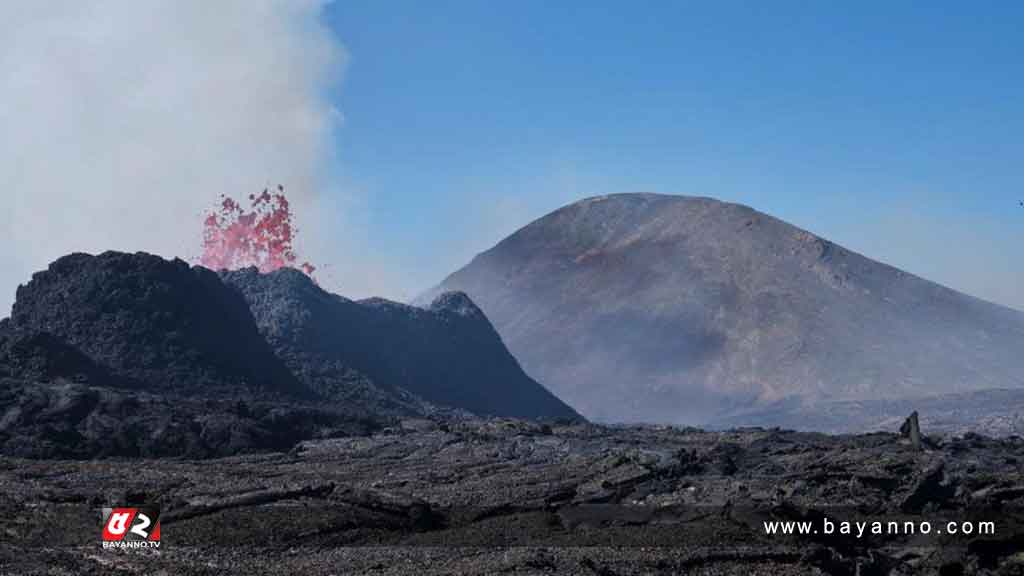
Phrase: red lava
pixel 261 236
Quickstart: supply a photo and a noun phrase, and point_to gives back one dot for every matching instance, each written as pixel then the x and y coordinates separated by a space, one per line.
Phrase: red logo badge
pixel 131 527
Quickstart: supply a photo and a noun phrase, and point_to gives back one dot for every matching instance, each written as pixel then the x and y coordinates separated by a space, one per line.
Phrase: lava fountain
pixel 261 236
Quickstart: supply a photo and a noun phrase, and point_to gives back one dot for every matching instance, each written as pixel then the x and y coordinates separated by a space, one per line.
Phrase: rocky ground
pixel 998 413
pixel 513 497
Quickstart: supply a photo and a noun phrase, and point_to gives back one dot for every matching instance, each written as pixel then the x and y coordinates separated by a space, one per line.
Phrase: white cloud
pixel 123 121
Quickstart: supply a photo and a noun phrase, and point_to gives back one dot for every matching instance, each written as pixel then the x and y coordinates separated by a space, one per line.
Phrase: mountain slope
pixel 447 355
pixel 644 307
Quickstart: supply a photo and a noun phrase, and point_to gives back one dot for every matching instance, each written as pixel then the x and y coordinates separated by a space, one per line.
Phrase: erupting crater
pixel 261 236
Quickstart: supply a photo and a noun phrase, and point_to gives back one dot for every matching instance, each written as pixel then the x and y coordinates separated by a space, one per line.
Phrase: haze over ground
pixel 413 135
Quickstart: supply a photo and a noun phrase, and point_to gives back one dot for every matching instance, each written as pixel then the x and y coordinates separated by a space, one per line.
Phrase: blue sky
pixel 412 135
pixel 891 127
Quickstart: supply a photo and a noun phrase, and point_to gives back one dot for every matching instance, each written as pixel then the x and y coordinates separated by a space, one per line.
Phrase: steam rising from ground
pixel 124 122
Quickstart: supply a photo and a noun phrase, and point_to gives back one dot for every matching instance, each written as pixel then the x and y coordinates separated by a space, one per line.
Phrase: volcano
pixel 133 355
pixel 688 310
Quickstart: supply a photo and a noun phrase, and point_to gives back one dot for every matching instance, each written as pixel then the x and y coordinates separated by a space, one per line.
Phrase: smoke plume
pixel 124 122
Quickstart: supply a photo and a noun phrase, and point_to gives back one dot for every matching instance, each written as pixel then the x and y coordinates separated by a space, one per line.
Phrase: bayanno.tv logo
pixel 131 527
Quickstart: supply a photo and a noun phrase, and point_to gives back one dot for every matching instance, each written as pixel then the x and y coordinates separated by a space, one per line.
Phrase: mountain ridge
pixel 446 354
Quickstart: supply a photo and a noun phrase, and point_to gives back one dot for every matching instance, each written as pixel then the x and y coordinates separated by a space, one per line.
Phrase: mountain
pixel 133 355
pixel 645 307
pixel 153 324
pixel 446 355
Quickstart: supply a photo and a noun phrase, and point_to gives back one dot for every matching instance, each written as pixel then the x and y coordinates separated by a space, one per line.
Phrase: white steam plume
pixel 122 121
